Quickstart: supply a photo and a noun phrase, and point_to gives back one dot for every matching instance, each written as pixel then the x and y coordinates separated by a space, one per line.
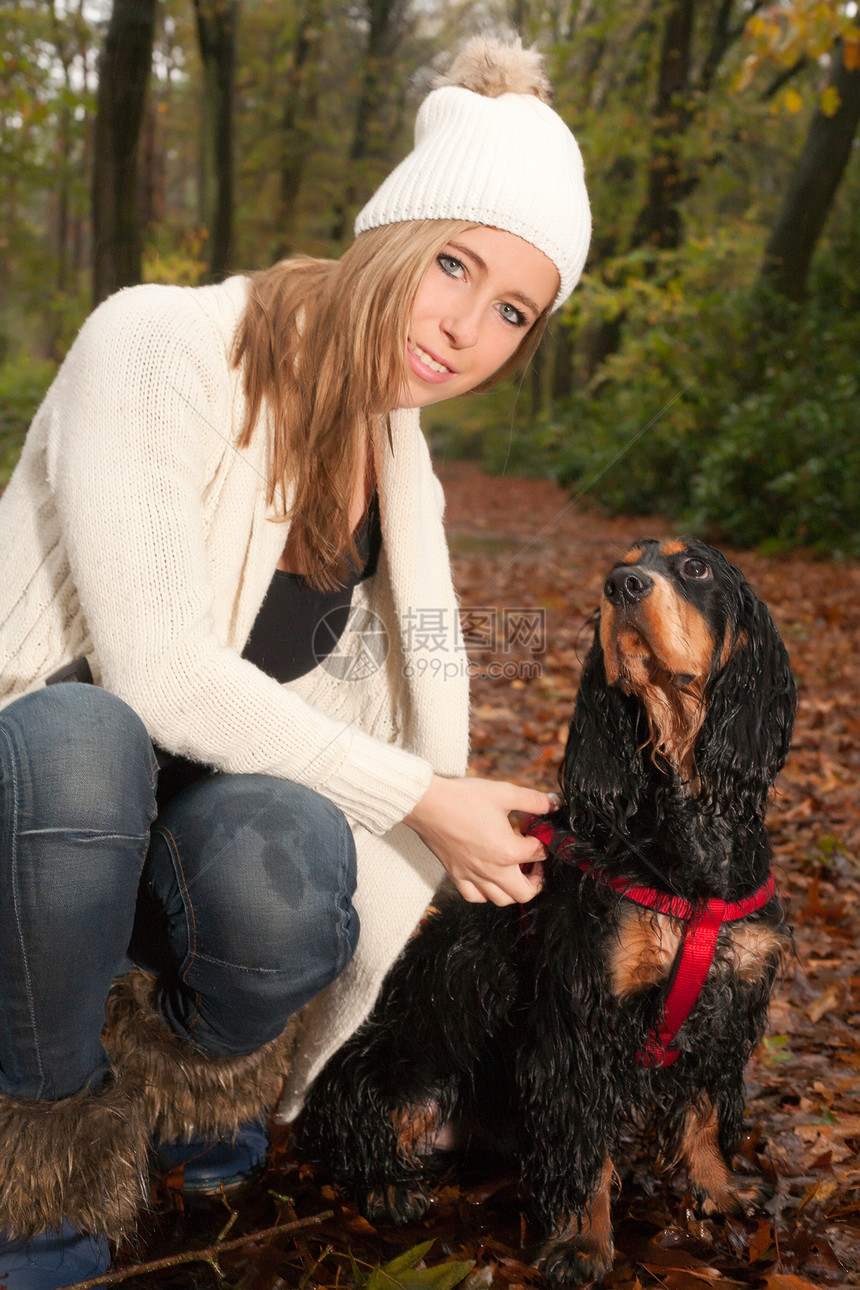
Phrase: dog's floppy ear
pixel 600 774
pixel 750 709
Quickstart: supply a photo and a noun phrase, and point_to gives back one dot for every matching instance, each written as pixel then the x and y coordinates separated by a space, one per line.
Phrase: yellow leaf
pixel 821 1192
pixel 830 101
pixel 851 55
pixel 743 78
pixel 793 101
pixel 826 1002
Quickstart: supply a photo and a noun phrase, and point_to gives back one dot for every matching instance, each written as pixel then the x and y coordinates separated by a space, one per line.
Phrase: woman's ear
pixel 601 773
pixel 750 711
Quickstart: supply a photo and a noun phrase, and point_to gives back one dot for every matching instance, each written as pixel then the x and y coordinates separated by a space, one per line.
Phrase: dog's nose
pixel 626 586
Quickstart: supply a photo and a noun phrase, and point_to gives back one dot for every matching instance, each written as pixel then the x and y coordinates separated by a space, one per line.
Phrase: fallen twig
pixel 209 1255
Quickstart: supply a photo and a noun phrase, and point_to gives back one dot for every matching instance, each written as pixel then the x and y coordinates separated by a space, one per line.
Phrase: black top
pixel 298 625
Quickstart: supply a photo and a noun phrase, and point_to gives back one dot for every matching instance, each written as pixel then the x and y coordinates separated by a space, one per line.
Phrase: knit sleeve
pixel 126 462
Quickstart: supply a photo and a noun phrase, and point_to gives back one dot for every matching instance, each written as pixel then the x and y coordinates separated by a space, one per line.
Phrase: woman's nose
pixel 462 327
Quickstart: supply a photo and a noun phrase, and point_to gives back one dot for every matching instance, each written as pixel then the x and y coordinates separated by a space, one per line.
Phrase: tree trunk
pixel 63 153
pixel 63 217
pixel 151 172
pixel 563 359
pixel 659 222
pixel 300 110
pixel 813 186
pixel 216 35
pixel 519 18
pixel 123 77
pixel 383 37
pixel 724 33
pixel 536 378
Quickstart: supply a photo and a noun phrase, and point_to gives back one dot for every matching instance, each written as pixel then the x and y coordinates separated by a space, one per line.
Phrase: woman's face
pixel 476 303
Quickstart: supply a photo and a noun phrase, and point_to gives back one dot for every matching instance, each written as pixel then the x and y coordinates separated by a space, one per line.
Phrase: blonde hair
pixel 323 343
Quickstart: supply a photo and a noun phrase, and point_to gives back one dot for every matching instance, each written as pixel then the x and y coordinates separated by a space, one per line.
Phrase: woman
pixel 225 515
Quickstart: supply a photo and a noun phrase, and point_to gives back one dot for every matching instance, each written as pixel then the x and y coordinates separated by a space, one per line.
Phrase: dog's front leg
pixel 567 1098
pixel 580 1250
pixel 374 1113
pixel 706 1164
pixel 708 1121
pixel 710 1127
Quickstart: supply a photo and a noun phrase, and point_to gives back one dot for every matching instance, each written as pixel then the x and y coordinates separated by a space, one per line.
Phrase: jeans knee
pixel 77 757
pixel 76 775
pixel 328 916
pixel 256 877
pixel 307 868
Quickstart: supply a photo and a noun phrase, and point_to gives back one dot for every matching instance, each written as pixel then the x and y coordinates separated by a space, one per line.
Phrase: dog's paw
pixel 576 1263
pixel 748 1197
pixel 390 1203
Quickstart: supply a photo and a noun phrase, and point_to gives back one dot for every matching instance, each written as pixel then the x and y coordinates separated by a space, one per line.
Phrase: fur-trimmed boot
pixel 218 1105
pixel 73 1175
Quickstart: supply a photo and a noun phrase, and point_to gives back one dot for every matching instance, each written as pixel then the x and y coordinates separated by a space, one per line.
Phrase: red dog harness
pixel 698 943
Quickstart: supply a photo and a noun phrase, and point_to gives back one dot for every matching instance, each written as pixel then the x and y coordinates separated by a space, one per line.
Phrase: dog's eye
pixel 694 568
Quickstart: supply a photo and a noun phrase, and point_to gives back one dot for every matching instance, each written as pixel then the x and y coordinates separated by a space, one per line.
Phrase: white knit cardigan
pixel 134 532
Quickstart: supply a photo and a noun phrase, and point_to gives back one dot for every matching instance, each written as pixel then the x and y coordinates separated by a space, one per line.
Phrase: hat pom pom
pixel 492 67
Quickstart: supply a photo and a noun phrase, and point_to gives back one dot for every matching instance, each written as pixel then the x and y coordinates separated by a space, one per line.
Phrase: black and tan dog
pixel 635 986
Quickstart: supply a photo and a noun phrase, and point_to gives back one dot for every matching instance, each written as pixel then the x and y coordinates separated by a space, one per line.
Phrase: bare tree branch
pixel 210 1255
pixel 783 78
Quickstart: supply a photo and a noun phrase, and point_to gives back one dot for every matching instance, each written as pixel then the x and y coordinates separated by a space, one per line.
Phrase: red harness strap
pixel 698 943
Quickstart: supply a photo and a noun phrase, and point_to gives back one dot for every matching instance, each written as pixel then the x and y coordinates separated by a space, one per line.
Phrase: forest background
pixel 707 367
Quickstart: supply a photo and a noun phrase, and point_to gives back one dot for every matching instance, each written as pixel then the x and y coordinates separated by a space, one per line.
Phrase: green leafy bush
pixel 23 382
pixel 732 412
pixel 784 467
pixel 633 439
pixel 739 421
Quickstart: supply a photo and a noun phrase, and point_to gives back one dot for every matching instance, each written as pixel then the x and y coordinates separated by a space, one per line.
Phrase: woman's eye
pixel 695 569
pixel 449 265
pixel 512 315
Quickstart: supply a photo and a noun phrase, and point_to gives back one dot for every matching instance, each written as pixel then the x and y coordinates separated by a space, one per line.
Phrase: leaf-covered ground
pixel 529 568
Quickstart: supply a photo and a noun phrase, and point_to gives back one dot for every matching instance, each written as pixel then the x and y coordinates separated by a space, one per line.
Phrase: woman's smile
pixel 425 366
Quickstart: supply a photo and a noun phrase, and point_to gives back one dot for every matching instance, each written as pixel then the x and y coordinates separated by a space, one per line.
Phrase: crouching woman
pixel 244 779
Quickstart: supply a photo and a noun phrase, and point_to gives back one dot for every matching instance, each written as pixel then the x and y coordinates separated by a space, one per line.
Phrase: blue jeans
pixel 237 894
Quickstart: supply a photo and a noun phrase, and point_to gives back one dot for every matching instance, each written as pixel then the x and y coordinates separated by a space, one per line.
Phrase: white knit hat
pixel 489 148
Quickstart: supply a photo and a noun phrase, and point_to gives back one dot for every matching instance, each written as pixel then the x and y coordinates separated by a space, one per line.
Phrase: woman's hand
pixel 465 824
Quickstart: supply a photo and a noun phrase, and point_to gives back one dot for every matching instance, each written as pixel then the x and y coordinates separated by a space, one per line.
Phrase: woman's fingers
pixel 465 823
pixel 531 801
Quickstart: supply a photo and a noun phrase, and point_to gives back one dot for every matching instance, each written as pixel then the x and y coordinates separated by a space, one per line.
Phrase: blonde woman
pixel 226 518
